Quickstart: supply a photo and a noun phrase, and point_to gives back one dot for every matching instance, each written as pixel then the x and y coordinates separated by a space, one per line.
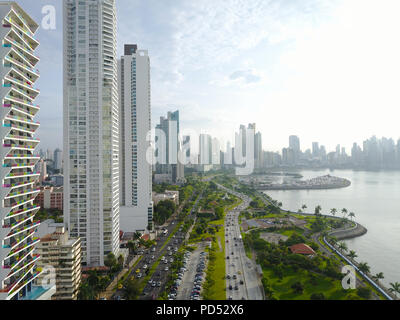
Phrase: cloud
pixel 247 76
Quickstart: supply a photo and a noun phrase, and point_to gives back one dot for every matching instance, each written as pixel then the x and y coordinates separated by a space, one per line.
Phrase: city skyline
pixel 252 75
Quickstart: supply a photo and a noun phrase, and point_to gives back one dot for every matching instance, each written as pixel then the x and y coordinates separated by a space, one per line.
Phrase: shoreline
pixel 341 234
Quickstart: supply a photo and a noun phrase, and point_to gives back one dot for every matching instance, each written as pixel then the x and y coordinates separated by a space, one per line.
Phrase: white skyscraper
pixel 18 177
pixel 57 159
pixel 205 149
pixel 136 211
pixel 91 127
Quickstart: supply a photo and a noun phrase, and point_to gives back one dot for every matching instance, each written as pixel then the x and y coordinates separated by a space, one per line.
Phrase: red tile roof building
pixel 302 248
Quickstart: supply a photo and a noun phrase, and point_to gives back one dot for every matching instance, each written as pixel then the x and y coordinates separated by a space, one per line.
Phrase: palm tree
pixel 318 210
pixel 333 211
pixel 352 254
pixel 344 211
pixel 343 246
pixel 137 235
pixel 351 215
pixel 364 267
pixel 304 206
pixel 395 288
pixel 378 276
pixel 333 241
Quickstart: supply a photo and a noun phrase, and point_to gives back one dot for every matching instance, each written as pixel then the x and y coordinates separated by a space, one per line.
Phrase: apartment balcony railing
pixel 11 175
pixel 22 193
pixel 23 83
pixel 22 229
pixel 11 214
pixel 26 245
pixel 20 100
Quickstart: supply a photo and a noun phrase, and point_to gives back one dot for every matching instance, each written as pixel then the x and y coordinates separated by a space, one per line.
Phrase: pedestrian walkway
pixel 111 287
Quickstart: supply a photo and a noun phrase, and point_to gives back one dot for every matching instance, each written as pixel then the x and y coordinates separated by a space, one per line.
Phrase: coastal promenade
pixel 344 233
pixel 318 183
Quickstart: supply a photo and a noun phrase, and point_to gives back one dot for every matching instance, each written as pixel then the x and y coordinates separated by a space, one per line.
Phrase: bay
pixel 374 197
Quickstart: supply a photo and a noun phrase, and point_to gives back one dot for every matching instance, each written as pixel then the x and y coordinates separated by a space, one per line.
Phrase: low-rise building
pixel 59 251
pixel 167 195
pixel 302 248
pixel 50 198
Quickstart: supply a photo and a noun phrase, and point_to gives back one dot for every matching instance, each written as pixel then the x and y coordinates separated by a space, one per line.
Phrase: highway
pixel 150 257
pixel 247 285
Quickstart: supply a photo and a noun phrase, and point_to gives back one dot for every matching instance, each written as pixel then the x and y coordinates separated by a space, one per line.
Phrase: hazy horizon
pixel 324 72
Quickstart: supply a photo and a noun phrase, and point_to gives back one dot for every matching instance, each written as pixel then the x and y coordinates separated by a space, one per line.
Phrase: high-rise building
pixel 91 127
pixel 294 143
pixel 167 149
pixel 136 212
pixel 242 140
pixel 315 149
pixel 205 149
pixel 57 159
pixel 258 152
pixel 42 170
pixel 17 210
pixel 215 150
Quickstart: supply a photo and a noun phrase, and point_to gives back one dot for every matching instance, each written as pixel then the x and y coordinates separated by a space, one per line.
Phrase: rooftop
pixel 302 248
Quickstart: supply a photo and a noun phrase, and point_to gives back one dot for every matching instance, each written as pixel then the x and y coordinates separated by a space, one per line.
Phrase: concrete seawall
pixel 342 234
pixel 339 234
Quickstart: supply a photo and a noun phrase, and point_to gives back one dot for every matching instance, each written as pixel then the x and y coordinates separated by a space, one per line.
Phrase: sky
pixel 327 71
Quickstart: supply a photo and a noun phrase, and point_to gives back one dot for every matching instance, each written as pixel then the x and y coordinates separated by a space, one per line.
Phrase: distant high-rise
pixel 242 138
pixel 136 212
pixel 258 151
pixel 315 149
pixel 91 127
pixel 18 257
pixel 57 159
pixel 167 149
pixel 294 143
pixel 205 149
pixel 216 156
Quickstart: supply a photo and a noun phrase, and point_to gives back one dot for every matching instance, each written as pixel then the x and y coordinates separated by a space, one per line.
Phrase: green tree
pixel 131 289
pixel 121 260
pixel 395 288
pixel 364 267
pixel 110 261
pixel 132 246
pixel 352 254
pixel 219 212
pixel 333 211
pixel 343 247
pixel 364 293
pixel 297 287
pixel 317 296
pixel 344 211
pixel 378 276
pixel 351 215
pixel 137 235
pixel 317 210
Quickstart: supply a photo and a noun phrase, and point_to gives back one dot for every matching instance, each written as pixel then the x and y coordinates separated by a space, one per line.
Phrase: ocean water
pixel 374 197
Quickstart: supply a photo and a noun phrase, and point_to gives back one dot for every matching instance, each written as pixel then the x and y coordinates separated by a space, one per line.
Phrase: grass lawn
pixel 331 288
pixel 214 289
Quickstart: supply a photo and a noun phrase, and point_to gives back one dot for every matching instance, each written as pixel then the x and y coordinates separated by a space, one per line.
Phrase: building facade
pixel 51 198
pixel 18 177
pixel 136 212
pixel 64 254
pixel 91 127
